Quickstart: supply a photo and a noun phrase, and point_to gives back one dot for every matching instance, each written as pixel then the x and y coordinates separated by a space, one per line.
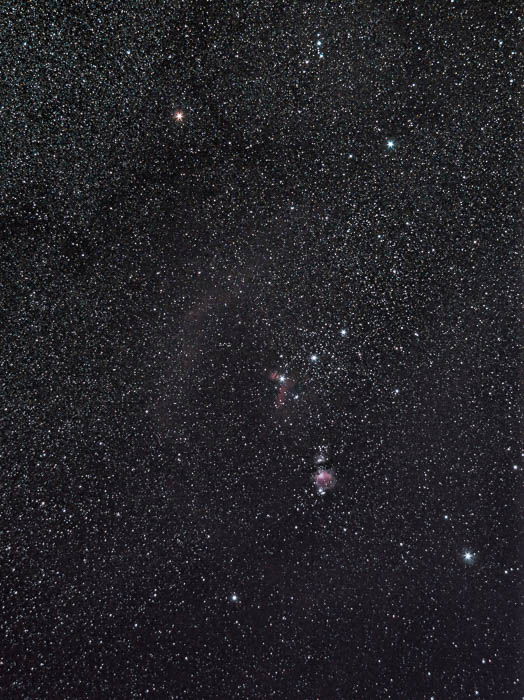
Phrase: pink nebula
pixel 324 479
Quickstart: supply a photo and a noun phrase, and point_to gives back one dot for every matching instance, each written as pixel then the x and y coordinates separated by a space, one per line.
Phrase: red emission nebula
pixel 286 384
pixel 324 480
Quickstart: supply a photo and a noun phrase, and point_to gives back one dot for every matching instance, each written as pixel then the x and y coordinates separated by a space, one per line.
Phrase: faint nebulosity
pixel 260 294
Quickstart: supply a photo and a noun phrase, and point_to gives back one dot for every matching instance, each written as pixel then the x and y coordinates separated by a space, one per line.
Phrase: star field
pixel 260 290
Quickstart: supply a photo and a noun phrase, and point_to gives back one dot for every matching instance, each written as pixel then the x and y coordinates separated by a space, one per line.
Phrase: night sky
pixel 259 297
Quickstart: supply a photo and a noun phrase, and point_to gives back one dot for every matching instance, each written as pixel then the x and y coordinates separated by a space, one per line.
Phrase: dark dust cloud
pixel 259 275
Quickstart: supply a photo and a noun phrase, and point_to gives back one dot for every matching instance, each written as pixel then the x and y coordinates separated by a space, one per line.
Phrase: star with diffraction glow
pixel 469 557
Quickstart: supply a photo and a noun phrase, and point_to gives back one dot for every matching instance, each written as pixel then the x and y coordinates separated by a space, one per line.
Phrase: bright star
pixel 390 144
pixel 314 358
pixel 234 598
pixel 179 116
pixel 343 332
pixel 469 557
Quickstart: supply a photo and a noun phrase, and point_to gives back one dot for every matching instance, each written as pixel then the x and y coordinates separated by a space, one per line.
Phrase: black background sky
pixel 198 197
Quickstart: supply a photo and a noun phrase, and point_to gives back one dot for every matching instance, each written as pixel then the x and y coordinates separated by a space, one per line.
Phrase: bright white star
pixel 469 557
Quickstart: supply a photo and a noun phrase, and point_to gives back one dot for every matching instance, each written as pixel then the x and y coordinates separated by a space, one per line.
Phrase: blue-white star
pixel 469 557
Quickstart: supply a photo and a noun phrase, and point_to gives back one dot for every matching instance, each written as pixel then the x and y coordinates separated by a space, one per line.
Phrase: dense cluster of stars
pixel 260 299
